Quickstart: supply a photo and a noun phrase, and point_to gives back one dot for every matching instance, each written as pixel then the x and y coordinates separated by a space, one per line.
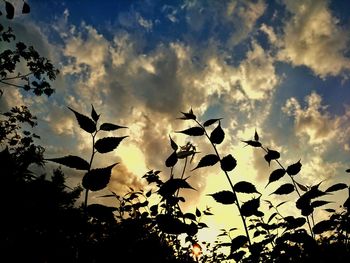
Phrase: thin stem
pixel 231 185
pixel 11 84
pixel 90 163
pixel 18 77
pixel 182 175
pixel 296 189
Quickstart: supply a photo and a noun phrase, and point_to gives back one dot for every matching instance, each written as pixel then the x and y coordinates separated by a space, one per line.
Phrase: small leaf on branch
pixel 173 144
pixel 210 122
pixel 108 144
pixel 224 197
pixel 94 114
pixel 208 160
pixel 172 185
pixel 110 127
pixel 245 187
pixel 10 10
pixel 171 160
pixel 253 143
pixel 294 169
pixel 25 8
pixel 250 207
pixel 194 131
pixel 336 187
pixel 97 179
pixel 84 122
pixel 217 136
pixel 228 163
pixel 271 155
pixel 72 161
pixel 238 242
pixel 284 189
pixel 188 116
pixel 256 136
pixel 276 175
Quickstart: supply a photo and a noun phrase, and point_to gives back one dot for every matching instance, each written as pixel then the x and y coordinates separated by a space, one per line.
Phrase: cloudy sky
pixel 281 67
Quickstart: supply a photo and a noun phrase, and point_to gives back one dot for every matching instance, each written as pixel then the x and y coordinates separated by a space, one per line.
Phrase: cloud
pixel 313 37
pixel 313 120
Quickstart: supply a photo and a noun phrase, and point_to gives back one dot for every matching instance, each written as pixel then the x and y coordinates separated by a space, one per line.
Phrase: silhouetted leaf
pixel 172 185
pixel 228 163
pixel 173 144
pixel 97 179
pixel 294 169
pixel 293 223
pixel 189 216
pixel 94 114
pixel 72 162
pixel 25 8
pixel 110 127
pixel 237 257
pixel 171 225
pixel 271 155
pixel 276 175
pixel 250 207
pixel 208 160
pixel 149 193
pixel 171 160
pixel 238 242
pixel 336 187
pixel 253 143
pixel 108 144
pixel 84 122
pixel 224 197
pixel 217 136
pixel 318 203
pixel 245 187
pixel 202 225
pixel 256 136
pixel 188 116
pixel 284 189
pixel 194 131
pixel 198 213
pixel 10 10
pixel 329 210
pixel 272 216
pixel 347 170
pixel 323 226
pixel 302 187
pixel 210 122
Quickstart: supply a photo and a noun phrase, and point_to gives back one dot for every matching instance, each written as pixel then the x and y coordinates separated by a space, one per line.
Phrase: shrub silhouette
pixel 42 223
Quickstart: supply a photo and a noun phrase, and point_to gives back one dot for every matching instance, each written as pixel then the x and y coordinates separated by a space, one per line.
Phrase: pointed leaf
pixel 110 127
pixel 210 122
pixel 276 175
pixel 171 225
pixel 217 136
pixel 172 185
pixel 72 162
pixel 84 122
pixel 271 155
pixel 25 8
pixel 188 116
pixel 253 143
pixel 108 144
pixel 94 114
pixel 208 160
pixel 97 179
pixel 245 187
pixel 194 131
pixel 323 226
pixel 250 207
pixel 256 136
pixel 224 197
pixel 272 217
pixel 336 187
pixel 347 170
pixel 318 203
pixel 198 213
pixel 173 144
pixel 302 187
pixel 284 189
pixel 280 204
pixel 294 168
pixel 228 163
pixel 238 242
pixel 172 160
pixel 10 10
pixel 189 216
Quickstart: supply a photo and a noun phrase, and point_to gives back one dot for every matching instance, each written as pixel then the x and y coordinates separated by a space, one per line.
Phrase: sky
pixel 279 67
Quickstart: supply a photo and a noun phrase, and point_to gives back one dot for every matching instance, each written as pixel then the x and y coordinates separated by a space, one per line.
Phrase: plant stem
pixel 296 189
pixel 231 185
pixel 90 163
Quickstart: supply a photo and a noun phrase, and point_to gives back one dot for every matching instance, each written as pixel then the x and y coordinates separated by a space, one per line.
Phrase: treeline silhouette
pixel 41 221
